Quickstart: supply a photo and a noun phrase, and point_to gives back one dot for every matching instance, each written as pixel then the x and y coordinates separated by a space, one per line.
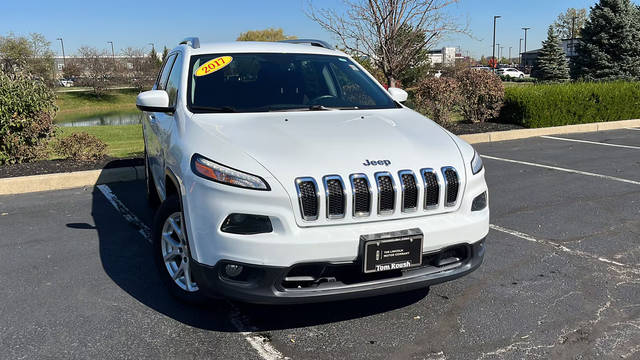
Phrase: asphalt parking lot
pixel 561 277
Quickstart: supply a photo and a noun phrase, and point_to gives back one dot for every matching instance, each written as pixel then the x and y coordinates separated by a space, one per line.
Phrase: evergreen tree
pixel 552 64
pixel 610 46
pixel 153 57
pixel 165 53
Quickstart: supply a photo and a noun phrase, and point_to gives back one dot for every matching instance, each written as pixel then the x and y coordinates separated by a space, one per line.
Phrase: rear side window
pixel 164 75
pixel 174 80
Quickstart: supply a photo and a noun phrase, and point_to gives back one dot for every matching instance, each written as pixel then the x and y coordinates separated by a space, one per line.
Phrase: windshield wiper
pixel 222 109
pixel 313 108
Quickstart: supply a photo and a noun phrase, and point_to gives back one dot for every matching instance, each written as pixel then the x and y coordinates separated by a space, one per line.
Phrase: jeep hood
pixel 319 143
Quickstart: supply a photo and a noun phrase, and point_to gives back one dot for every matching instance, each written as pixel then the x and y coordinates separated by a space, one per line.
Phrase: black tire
pixel 152 194
pixel 168 208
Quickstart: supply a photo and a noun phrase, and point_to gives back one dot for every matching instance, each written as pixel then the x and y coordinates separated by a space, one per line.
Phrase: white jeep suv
pixel 285 173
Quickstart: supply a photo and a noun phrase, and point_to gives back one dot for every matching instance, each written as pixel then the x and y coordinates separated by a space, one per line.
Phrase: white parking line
pixel 143 229
pixel 607 177
pixel 592 142
pixel 636 129
pixel 259 342
pixel 579 253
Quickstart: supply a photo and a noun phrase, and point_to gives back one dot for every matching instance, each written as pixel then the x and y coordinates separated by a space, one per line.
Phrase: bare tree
pixel 97 67
pixel 390 32
pixel 138 68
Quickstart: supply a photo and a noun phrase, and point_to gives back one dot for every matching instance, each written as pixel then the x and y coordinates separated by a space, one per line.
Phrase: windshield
pixel 280 82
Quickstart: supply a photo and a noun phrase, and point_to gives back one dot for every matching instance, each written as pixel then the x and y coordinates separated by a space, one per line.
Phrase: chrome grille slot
pixel 409 190
pixel 361 195
pixel 451 184
pixel 386 193
pixel 431 189
pixel 308 197
pixel 336 196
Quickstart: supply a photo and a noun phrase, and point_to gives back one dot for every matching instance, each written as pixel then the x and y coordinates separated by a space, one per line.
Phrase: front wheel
pixel 171 252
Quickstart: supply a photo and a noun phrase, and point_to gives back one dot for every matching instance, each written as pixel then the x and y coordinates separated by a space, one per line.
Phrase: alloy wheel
pixel 175 252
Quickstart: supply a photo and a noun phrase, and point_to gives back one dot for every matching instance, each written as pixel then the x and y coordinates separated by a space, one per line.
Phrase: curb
pixel 556 130
pixel 61 181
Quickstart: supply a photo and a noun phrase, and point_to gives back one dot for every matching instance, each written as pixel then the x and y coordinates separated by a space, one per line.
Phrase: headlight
pixel 211 170
pixel 476 163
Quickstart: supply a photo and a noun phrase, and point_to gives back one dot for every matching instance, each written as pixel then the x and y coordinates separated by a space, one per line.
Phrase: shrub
pixel 518 80
pixel 81 147
pixel 27 109
pixel 481 95
pixel 545 105
pixel 438 97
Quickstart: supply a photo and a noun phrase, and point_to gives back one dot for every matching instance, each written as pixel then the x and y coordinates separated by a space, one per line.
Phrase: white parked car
pixel 285 173
pixel 65 82
pixel 511 72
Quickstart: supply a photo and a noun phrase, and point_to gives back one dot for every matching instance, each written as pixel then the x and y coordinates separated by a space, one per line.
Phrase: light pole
pixel 495 18
pixel 497 59
pixel 64 62
pixel 525 39
pixel 501 52
pixel 520 52
pixel 510 54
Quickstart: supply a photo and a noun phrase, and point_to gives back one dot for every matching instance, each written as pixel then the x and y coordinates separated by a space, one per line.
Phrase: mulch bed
pixel 462 128
pixel 61 166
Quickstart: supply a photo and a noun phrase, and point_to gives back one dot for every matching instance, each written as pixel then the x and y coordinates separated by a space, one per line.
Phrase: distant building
pixel 59 62
pixel 446 56
pixel 530 58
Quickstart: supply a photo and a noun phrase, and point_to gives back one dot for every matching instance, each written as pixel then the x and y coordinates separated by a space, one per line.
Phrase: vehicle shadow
pixel 127 259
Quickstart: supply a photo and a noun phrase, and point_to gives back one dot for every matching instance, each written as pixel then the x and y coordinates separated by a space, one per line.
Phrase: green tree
pixel 30 55
pixel 552 64
pixel 165 53
pixel 153 57
pixel 570 23
pixel 610 45
pixel 270 34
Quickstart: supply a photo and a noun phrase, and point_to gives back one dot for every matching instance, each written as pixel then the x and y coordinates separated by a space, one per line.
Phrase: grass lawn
pixel 82 104
pixel 122 140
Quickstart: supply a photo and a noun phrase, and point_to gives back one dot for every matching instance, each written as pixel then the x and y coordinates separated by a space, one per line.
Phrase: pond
pixel 106 119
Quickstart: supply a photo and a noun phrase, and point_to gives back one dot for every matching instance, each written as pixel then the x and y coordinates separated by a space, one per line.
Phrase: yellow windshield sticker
pixel 214 65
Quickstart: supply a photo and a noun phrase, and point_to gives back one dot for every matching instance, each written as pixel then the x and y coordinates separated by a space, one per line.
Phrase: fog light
pixel 233 270
pixel 480 202
pixel 245 224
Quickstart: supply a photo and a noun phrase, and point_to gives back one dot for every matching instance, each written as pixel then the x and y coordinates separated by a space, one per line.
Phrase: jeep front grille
pixel 431 189
pixel 451 185
pixel 336 196
pixel 441 190
pixel 386 193
pixel 361 191
pixel 409 190
pixel 308 197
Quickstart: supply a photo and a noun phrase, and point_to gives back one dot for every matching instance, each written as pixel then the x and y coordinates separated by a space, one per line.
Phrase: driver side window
pixel 164 75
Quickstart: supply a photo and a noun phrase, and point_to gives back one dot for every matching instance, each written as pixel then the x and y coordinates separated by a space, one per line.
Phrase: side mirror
pixel 154 101
pixel 398 95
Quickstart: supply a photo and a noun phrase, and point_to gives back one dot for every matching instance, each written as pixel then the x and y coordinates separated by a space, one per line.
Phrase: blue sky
pixel 137 23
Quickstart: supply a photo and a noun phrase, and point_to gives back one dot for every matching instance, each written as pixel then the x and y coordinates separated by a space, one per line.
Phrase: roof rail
pixel 194 42
pixel 312 42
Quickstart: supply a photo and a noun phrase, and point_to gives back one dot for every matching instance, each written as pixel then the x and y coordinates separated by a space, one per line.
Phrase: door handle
pixel 152 118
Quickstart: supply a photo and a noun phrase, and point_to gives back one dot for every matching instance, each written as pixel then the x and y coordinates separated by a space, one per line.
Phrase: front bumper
pixel 265 285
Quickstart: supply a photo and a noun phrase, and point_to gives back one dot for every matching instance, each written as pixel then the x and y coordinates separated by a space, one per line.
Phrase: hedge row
pixel 545 105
